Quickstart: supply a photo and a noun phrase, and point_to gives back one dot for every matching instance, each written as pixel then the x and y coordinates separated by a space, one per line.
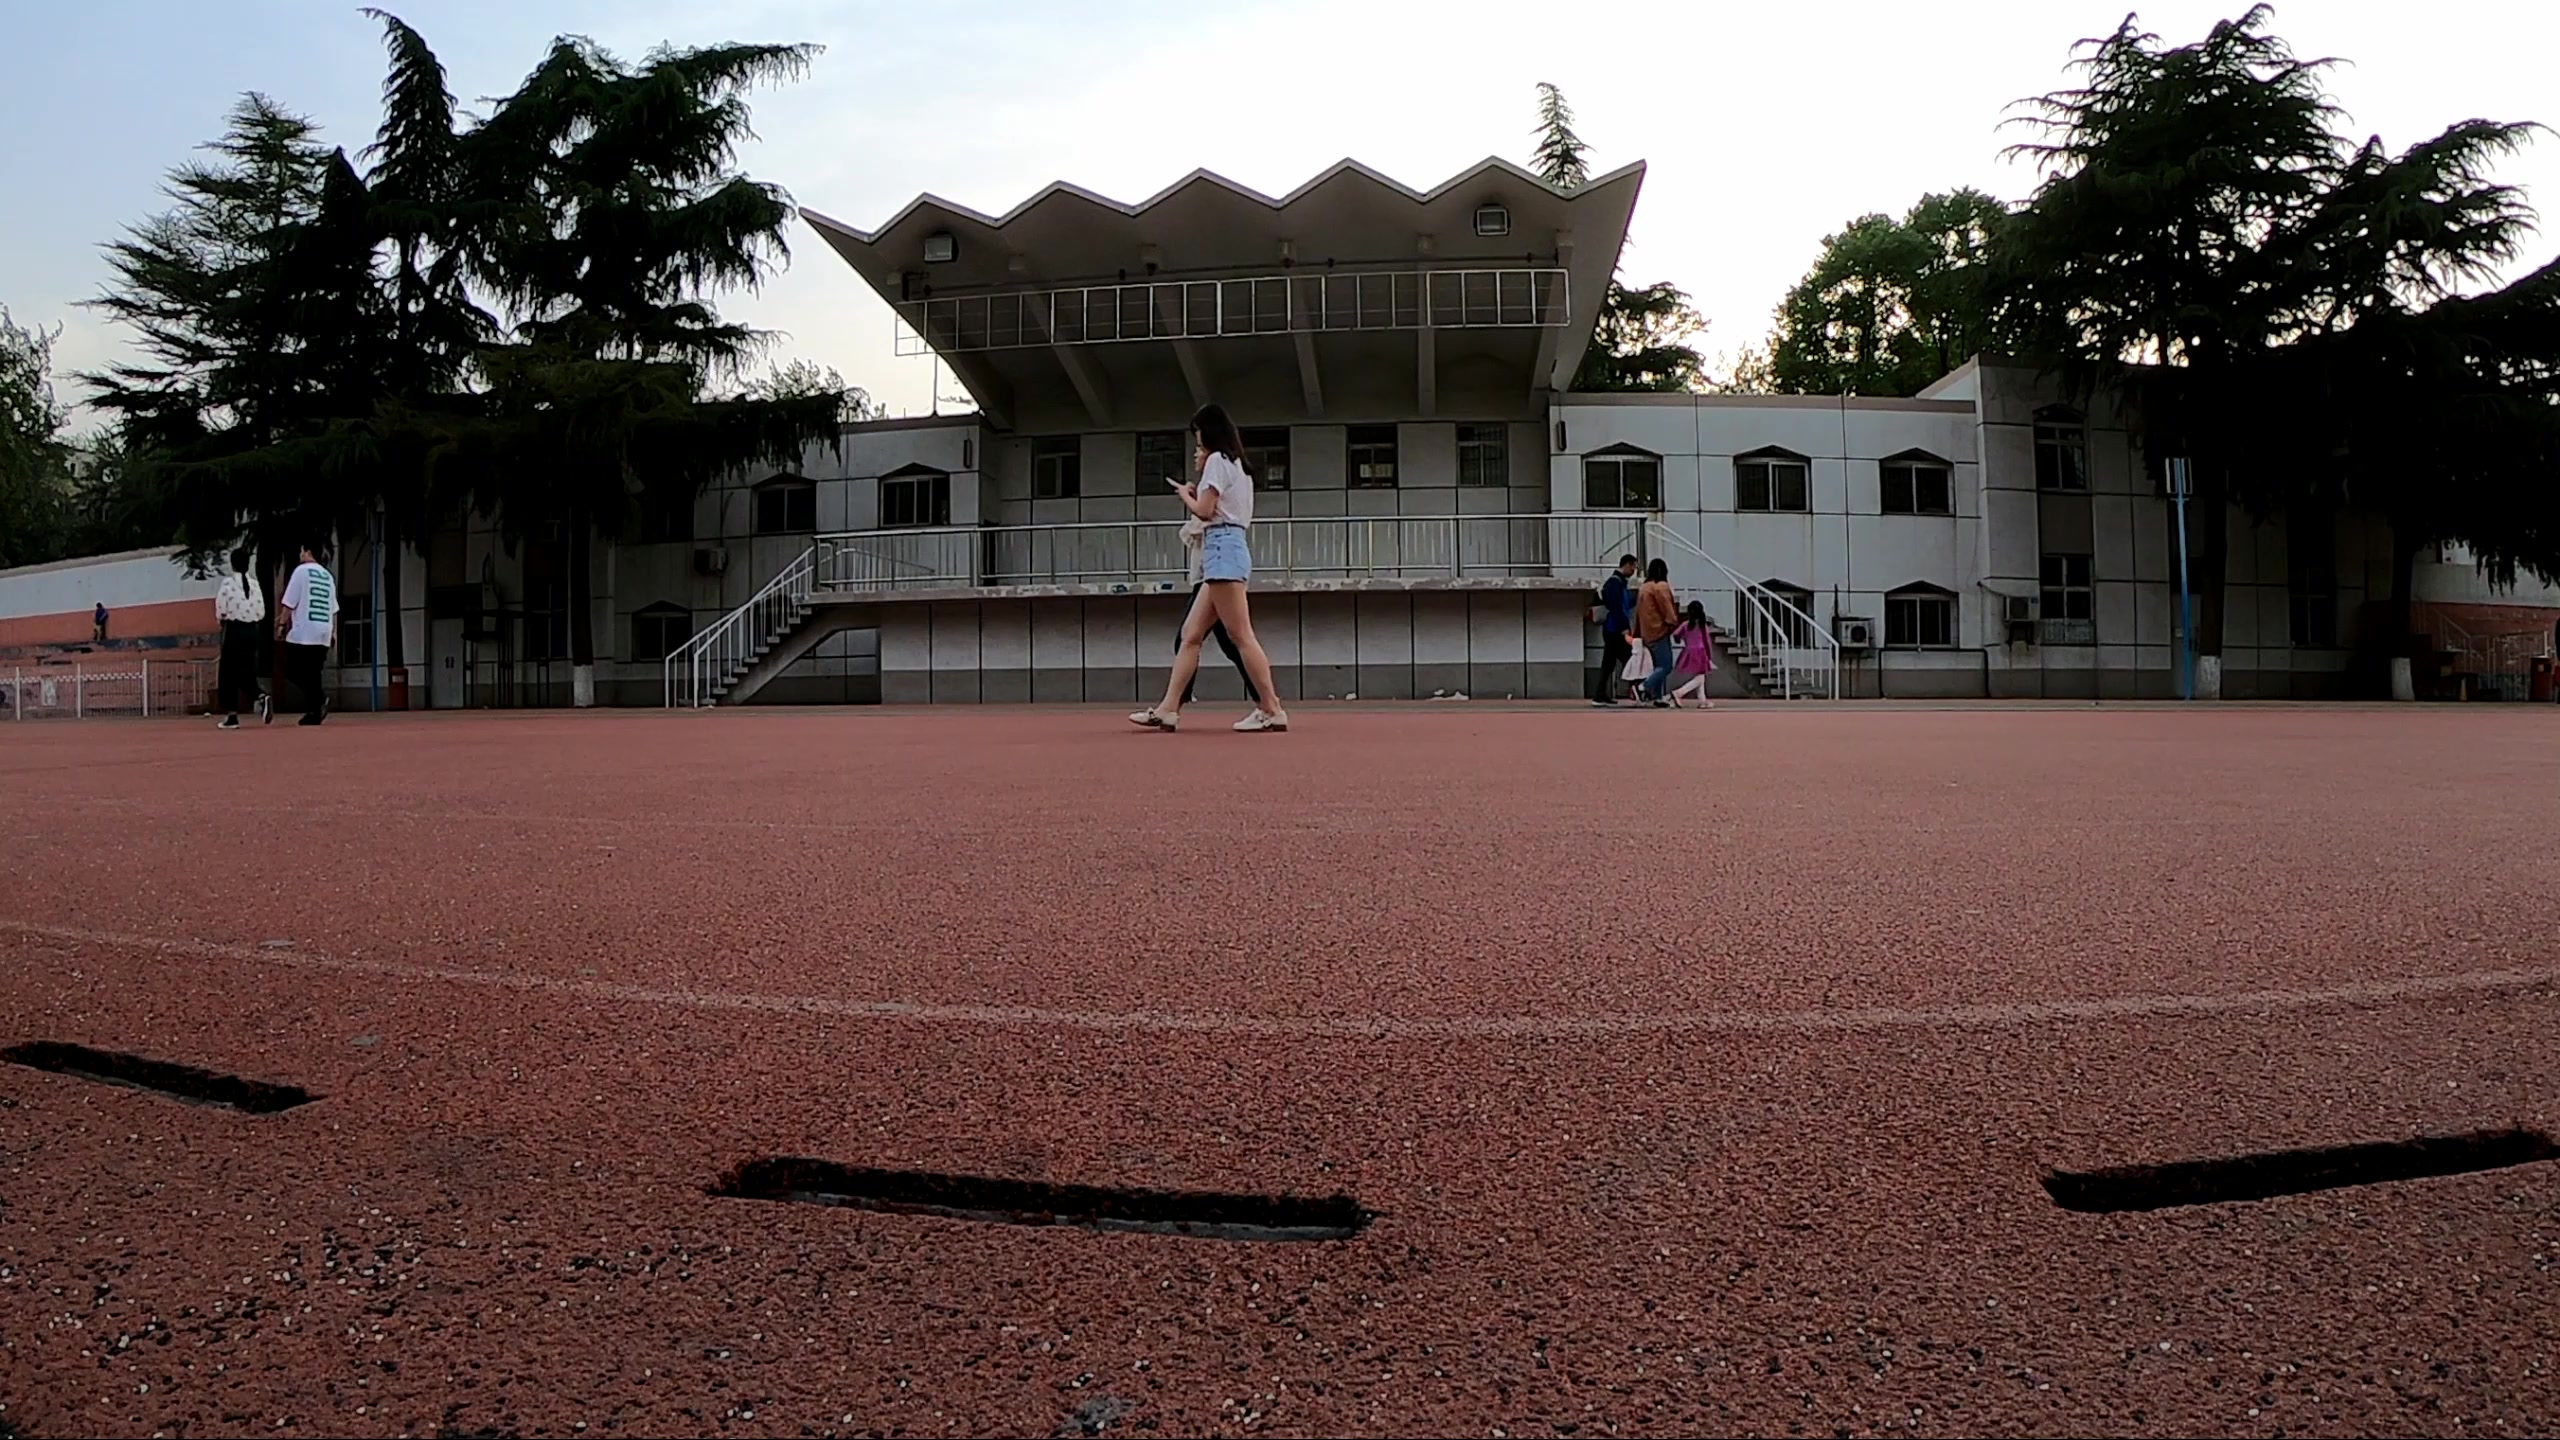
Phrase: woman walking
pixel 1697 657
pixel 1194 533
pixel 1657 615
pixel 240 608
pixel 1222 500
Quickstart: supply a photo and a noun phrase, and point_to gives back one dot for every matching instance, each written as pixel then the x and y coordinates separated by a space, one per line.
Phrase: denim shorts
pixel 1224 554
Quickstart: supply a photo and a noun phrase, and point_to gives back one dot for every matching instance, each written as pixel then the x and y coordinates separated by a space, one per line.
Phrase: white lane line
pixel 1389 1027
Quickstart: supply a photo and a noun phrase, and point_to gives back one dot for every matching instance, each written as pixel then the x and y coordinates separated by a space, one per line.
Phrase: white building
pixel 1436 505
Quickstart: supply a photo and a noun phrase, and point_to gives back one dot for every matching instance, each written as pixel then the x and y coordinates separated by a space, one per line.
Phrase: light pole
pixel 2179 485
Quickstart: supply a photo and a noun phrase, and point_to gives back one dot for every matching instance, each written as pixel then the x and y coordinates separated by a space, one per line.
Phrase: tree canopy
pixel 35 461
pixel 1892 304
pixel 515 313
pixel 2292 310
pixel 1643 338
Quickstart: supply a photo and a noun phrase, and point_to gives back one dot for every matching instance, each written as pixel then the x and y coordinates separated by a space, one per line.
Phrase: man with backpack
pixel 1617 616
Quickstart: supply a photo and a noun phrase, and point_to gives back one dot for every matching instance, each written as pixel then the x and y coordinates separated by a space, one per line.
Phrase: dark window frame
pixel 2067 597
pixel 653 620
pixel 1912 473
pixel 666 515
pixel 784 505
pixel 1366 442
pixel 1770 483
pixel 355 628
pixel 2311 590
pixel 1488 446
pixel 1913 605
pixel 1796 616
pixel 1608 484
pixel 2061 434
pixel 1057 468
pixel 1170 460
pixel 933 511
pixel 1269 456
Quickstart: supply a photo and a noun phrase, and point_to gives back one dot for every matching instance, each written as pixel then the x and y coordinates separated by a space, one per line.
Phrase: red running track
pixel 1702 1067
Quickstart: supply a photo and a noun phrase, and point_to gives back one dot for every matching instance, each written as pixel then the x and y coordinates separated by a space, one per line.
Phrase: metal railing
pixel 2496 667
pixel 1149 554
pixel 86 690
pixel 1772 623
pixel 700 668
pixel 1300 302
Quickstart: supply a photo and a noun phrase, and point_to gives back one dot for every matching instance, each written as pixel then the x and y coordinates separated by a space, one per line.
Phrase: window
pixel 2062 450
pixel 546 597
pixel 1771 480
pixel 1624 478
pixel 660 630
pixel 1163 455
pixel 1917 483
pixel 786 505
pixel 1919 617
pixel 915 495
pixel 2069 603
pixel 1790 609
pixel 1267 451
pixel 355 629
pixel 1373 457
pixel 1484 455
pixel 1057 468
pixel 666 515
pixel 2311 579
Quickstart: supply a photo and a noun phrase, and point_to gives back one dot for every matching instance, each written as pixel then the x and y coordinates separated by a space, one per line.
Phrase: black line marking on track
pixel 2270 1174
pixel 1197 1214
pixel 179 1082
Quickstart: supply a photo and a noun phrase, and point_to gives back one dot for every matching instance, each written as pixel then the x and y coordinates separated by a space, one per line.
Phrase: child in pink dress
pixel 1697 657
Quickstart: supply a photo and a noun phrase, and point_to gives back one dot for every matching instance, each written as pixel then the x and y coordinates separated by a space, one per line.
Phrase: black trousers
pixel 1226 642
pixel 236 680
pixel 1614 651
pixel 302 666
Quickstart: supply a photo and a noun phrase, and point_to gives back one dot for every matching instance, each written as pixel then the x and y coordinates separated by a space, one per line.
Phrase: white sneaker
pixel 1263 720
pixel 1150 719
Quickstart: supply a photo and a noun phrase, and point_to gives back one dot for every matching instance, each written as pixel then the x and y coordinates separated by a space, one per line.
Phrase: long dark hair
pixel 240 561
pixel 1658 570
pixel 1696 615
pixel 1219 436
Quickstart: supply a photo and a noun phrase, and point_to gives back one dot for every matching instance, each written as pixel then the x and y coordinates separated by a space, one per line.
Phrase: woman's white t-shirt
pixel 1234 488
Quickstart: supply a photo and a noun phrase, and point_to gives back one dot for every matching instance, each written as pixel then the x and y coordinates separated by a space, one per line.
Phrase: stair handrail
pixel 1761 598
pixel 695 669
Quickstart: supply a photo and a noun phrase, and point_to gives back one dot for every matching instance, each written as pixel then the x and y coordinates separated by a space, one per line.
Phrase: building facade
pixel 1435 507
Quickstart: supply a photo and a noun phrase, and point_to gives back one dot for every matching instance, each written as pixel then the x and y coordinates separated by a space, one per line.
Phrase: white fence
pixel 82 690
pixel 1150 554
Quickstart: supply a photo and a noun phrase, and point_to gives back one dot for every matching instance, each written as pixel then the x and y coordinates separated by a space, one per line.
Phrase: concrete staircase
pixel 1756 668
pixel 777 636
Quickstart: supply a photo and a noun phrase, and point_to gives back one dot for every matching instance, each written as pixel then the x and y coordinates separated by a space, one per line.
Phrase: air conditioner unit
pixel 1492 220
pixel 1857 634
pixel 2019 609
pixel 713 560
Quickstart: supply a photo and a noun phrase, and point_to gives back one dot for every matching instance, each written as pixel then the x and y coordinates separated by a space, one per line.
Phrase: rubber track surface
pixel 1702 1070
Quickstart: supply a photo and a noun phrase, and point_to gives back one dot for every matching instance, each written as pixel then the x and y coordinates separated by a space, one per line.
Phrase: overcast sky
pixel 1766 126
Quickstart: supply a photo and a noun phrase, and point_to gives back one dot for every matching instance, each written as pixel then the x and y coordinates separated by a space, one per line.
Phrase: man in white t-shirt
pixel 307 618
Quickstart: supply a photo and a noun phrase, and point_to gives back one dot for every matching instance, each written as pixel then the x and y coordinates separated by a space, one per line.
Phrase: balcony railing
pixel 1300 302
pixel 1149 554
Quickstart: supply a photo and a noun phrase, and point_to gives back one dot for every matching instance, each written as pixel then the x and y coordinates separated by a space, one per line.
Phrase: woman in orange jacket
pixel 1657 615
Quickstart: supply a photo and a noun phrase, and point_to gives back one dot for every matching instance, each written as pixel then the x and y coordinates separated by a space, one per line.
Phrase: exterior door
pixel 451 657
